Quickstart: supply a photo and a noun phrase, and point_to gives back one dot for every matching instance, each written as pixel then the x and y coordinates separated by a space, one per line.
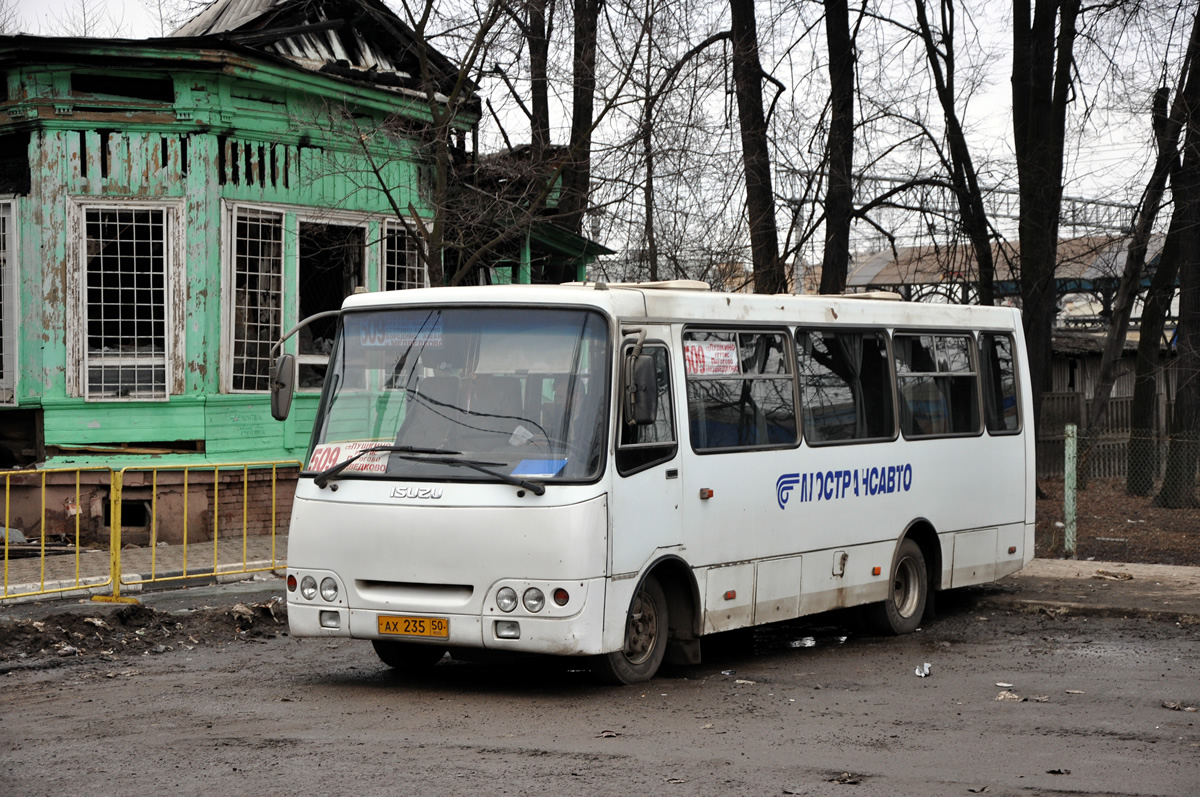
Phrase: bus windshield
pixel 521 392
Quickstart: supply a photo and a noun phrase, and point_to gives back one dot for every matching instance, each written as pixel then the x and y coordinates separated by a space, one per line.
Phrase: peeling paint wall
pixel 200 143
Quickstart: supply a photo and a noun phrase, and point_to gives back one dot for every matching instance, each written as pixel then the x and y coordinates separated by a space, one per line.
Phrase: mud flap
pixel 682 652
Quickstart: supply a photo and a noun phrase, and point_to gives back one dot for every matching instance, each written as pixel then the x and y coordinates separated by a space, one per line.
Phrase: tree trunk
pixel 839 195
pixel 1179 482
pixel 961 167
pixel 1166 129
pixel 539 56
pixel 1142 465
pixel 769 274
pixel 577 175
pixel 1042 63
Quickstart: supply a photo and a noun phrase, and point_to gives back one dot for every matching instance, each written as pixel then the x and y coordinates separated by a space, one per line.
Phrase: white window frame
pixel 291 217
pixel 9 299
pixel 229 215
pixel 415 246
pixel 174 292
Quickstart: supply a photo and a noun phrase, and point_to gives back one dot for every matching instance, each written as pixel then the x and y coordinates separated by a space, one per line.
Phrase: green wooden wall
pixel 260 137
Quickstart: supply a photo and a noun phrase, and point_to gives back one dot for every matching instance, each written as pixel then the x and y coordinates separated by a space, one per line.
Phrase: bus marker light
pixel 730 594
pixel 876 570
pixel 291 582
pixel 705 493
pixel 1012 549
pixel 561 597
pixel 508 629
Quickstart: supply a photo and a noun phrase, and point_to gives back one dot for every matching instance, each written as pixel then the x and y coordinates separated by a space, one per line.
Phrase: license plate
pixel 437 627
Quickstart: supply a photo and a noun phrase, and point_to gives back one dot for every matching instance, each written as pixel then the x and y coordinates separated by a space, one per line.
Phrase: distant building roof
pixel 1081 263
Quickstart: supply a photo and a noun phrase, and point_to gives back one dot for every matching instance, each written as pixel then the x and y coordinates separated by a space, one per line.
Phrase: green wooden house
pixel 169 207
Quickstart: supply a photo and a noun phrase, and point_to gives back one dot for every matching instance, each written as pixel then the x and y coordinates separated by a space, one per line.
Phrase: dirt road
pixel 218 702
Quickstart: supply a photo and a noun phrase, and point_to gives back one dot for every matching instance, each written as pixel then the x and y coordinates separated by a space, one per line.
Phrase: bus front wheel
pixel 908 592
pixel 407 657
pixel 645 638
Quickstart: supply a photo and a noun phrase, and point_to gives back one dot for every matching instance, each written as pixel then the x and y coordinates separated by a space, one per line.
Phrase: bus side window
pixel 641 446
pixel 937 383
pixel 845 385
pixel 999 383
pixel 740 389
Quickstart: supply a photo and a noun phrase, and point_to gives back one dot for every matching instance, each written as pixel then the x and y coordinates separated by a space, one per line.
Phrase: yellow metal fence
pixel 101 532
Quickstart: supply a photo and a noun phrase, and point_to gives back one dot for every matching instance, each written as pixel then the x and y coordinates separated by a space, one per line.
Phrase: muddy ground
pixel 1112 526
pixel 220 701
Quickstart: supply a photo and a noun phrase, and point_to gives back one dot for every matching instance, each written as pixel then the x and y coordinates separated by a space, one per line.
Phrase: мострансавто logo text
pixel 833 485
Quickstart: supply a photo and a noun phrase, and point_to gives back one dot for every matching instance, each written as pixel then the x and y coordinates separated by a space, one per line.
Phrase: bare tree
pixel 1043 56
pixel 1179 481
pixel 959 166
pixel 10 20
pixel 577 170
pixel 1167 126
pixel 839 196
pixel 86 18
pixel 769 275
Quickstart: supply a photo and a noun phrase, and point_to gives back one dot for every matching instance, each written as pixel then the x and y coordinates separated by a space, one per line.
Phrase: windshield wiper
pixel 483 467
pixel 324 476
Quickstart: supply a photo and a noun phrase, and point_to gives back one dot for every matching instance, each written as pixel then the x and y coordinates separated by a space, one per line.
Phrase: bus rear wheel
pixel 407 657
pixel 645 638
pixel 908 592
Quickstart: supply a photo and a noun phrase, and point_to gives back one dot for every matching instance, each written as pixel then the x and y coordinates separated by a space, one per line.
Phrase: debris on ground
pixel 1173 706
pixel 130 631
pixel 923 670
pixel 1111 576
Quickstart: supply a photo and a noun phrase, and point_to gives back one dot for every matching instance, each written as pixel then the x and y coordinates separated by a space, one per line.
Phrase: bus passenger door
pixel 646 492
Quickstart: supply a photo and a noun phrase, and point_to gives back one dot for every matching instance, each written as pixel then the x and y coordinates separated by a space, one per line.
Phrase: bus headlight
pixel 329 589
pixel 534 599
pixel 308 587
pixel 506 599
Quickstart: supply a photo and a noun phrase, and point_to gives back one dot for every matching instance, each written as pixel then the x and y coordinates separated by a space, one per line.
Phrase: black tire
pixel 408 657
pixel 645 638
pixel 908 592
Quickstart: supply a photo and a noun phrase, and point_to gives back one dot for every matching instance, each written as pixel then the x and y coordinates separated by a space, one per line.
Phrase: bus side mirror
pixel 283 372
pixel 641 390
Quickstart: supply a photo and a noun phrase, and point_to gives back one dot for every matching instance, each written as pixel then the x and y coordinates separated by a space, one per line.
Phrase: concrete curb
pixel 1102 589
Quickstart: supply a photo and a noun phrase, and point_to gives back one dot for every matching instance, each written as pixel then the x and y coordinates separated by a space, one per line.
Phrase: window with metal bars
pixel 8 326
pixel 125 311
pixel 257 295
pixel 403 267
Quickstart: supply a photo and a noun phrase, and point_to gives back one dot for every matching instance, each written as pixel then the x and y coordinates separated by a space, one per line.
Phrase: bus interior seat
pixel 431 408
pixel 499 398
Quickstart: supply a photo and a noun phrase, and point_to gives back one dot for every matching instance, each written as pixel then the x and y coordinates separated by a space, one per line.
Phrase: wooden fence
pixel 1110 440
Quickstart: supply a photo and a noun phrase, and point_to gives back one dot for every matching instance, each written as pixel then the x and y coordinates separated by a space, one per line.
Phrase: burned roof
pixel 360 40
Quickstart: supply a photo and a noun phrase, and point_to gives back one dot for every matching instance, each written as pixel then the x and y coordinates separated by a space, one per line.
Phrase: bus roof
pixel 685 301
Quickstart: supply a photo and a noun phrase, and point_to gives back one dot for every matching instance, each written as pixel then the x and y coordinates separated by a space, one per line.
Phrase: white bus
pixel 615 471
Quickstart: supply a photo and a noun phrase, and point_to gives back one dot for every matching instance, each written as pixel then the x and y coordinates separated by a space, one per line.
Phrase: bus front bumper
pixel 577 634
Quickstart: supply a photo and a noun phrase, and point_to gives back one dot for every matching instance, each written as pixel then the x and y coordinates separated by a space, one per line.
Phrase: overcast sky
pixel 125 18
pixel 1097 170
